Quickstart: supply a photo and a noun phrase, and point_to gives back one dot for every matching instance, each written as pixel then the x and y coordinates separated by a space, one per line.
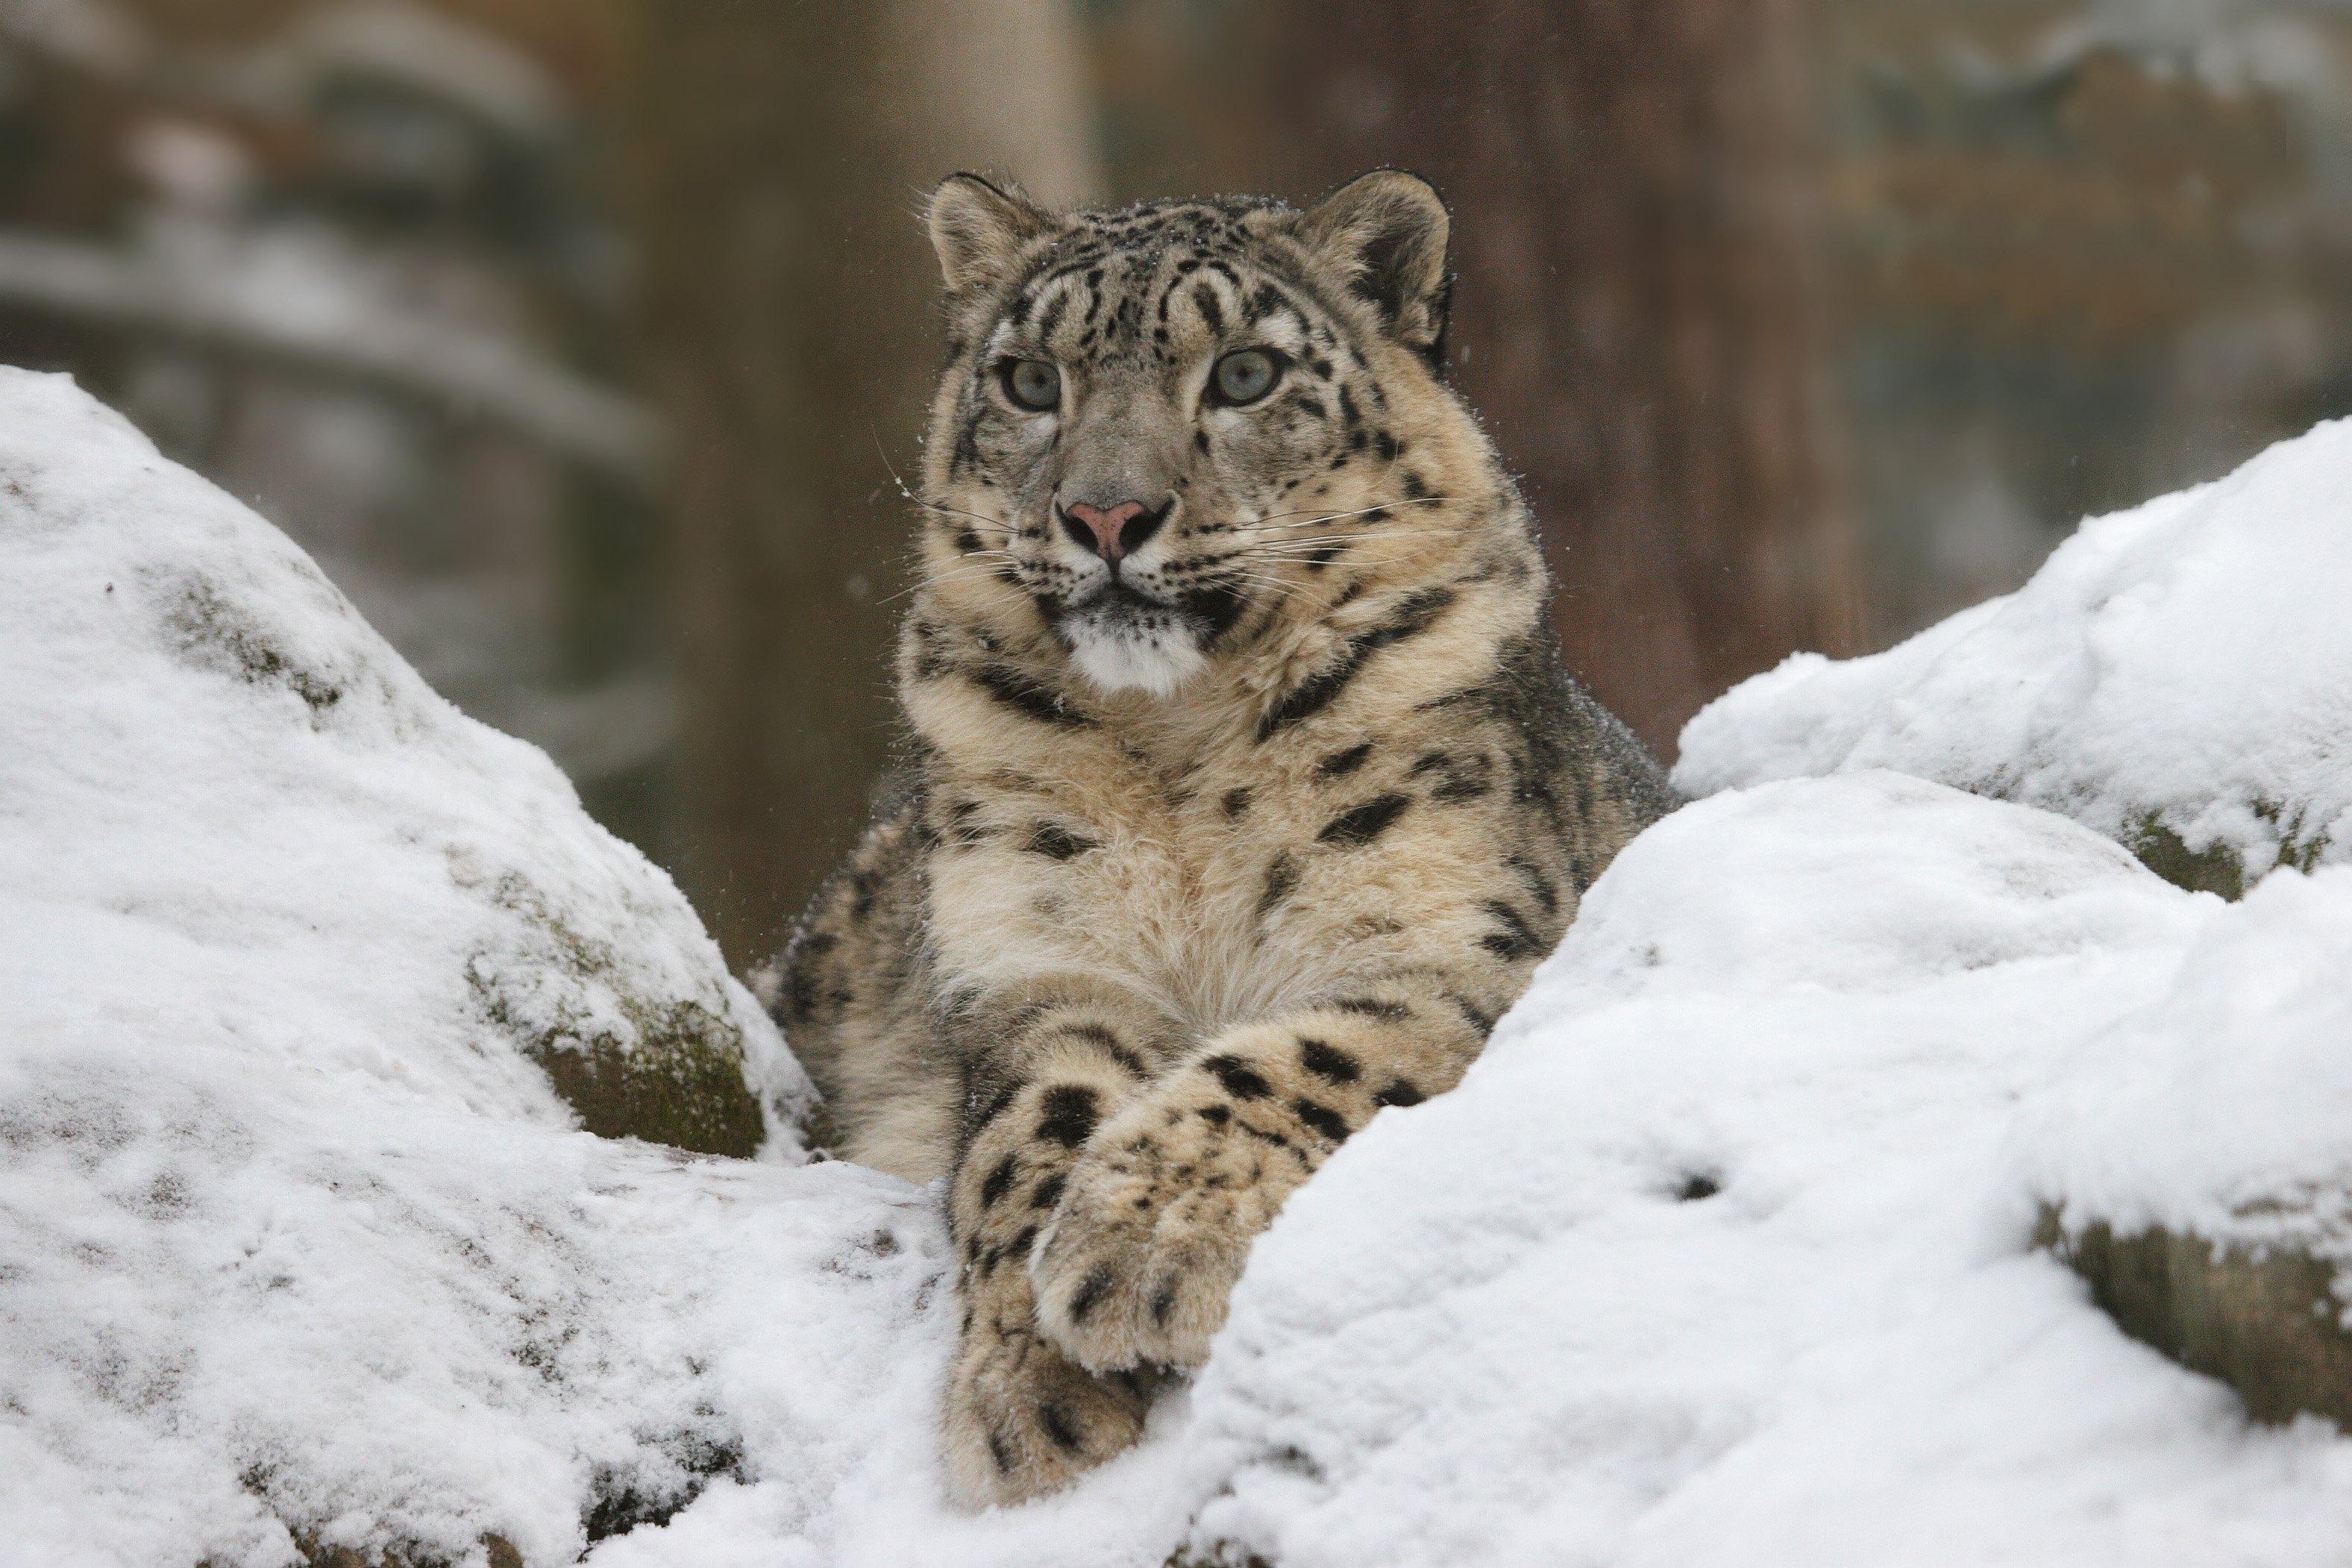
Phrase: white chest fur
pixel 1167 896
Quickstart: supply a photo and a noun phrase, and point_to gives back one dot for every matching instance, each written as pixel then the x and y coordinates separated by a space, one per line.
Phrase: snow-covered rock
pixel 290 1228
pixel 2230 1088
pixel 219 776
pixel 2177 677
pixel 2197 1167
pixel 1721 1254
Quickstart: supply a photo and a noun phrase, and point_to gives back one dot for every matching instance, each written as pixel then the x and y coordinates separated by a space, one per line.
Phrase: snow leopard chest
pixel 1189 894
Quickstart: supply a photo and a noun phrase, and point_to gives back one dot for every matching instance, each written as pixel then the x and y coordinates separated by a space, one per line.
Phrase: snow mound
pixel 1720 1253
pixel 289 1226
pixel 220 774
pixel 2177 677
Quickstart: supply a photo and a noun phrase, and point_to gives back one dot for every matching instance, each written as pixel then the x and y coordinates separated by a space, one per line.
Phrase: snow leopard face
pixel 1159 426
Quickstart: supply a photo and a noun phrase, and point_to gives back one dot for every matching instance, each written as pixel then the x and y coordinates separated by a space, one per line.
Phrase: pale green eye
pixel 1246 375
pixel 1033 383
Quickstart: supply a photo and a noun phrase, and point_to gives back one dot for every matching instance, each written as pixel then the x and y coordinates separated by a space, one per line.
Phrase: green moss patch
pixel 670 1071
pixel 680 1083
pixel 2218 868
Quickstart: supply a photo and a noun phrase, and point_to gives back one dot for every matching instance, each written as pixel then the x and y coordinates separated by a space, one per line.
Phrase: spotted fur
pixel 1203 856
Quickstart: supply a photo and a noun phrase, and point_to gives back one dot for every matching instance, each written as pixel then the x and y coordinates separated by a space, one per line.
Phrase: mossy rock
pixel 503 1554
pixel 2264 1320
pixel 682 1084
pixel 619 1043
pixel 2220 867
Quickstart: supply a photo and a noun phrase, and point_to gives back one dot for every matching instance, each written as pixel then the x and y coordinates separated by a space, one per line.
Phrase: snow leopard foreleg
pixel 1160 1209
pixel 1044 1067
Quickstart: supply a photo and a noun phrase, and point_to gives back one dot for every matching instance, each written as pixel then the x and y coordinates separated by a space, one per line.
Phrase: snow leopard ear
pixel 978 229
pixel 1386 233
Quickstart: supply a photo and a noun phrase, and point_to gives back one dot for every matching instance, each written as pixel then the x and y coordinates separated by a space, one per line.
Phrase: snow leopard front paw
pixel 1022 1420
pixel 1154 1224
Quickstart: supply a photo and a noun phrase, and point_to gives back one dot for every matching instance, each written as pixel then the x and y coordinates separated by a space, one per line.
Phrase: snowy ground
pixel 1720 1255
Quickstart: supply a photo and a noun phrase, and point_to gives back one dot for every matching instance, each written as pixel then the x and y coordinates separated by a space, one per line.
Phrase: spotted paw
pixel 1153 1229
pixel 1023 1420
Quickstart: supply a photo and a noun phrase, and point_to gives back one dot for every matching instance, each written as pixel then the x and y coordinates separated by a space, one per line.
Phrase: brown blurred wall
pixel 578 41
pixel 782 153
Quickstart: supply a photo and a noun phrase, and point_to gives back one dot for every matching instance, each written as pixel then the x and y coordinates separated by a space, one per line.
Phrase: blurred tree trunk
pixel 1638 311
pixel 782 153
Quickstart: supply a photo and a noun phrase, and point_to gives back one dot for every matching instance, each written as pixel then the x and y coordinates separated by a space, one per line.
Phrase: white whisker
pixel 1268 524
pixel 934 579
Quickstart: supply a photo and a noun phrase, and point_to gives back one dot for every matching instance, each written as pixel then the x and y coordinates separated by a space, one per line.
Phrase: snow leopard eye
pixel 1033 383
pixel 1246 375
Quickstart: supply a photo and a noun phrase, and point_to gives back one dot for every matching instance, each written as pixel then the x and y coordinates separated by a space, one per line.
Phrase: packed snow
pixel 2221 1107
pixel 1720 1254
pixel 2186 665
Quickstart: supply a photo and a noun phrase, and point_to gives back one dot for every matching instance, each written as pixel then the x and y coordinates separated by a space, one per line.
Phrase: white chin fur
pixel 1117 658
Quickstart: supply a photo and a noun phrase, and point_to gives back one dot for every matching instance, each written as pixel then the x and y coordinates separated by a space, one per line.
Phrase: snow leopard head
pixel 1164 430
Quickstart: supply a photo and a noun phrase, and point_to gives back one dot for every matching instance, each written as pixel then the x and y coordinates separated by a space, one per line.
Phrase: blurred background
pixel 578 339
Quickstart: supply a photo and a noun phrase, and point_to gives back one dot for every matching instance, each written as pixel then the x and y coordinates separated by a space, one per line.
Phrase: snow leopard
pixel 1242 786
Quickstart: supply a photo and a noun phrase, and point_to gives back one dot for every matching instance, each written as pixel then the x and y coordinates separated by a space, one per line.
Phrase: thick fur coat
pixel 1244 789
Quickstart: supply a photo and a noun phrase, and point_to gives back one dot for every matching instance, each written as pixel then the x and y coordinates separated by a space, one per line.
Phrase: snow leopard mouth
pixel 1123 638
pixel 1119 599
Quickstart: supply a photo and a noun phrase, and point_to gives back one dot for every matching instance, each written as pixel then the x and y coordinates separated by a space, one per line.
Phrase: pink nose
pixel 1105 525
